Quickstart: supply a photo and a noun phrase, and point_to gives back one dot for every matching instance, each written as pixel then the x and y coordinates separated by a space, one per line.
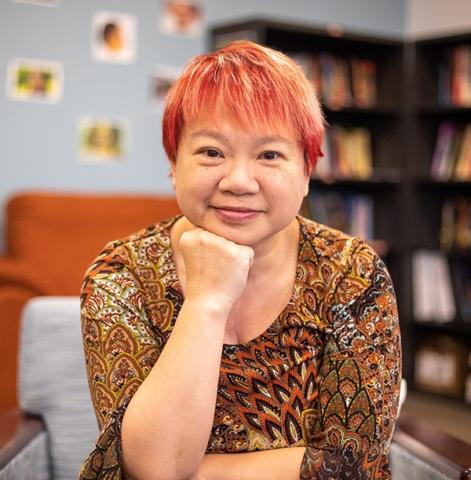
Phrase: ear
pixel 307 177
pixel 172 172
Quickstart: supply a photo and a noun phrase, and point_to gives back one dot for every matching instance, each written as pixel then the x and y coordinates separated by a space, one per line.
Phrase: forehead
pixel 226 129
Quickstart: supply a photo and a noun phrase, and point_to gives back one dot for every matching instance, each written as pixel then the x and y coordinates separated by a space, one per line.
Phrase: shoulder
pixel 133 256
pixel 322 243
pixel 339 267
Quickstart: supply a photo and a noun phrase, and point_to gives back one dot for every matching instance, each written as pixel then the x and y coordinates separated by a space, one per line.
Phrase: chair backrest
pixel 53 381
pixel 59 234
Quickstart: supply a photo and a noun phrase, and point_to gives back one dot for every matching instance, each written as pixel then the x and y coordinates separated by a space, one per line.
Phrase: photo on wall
pixel 181 18
pixel 41 3
pixel 161 80
pixel 114 37
pixel 103 140
pixel 32 80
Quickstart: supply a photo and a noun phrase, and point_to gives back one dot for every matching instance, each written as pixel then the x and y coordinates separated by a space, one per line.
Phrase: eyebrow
pixel 223 139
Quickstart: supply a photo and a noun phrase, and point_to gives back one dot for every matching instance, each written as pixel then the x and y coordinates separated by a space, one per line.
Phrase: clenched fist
pixel 216 269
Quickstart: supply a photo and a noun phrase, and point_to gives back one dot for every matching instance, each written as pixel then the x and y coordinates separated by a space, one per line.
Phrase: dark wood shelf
pixel 377 111
pixel 442 184
pixel 454 327
pixel 445 110
pixel 370 184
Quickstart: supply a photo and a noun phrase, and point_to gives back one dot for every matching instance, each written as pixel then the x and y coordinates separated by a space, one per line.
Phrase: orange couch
pixel 51 238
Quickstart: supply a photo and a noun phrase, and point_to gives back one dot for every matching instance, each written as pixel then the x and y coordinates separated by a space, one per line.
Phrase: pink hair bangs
pixel 253 85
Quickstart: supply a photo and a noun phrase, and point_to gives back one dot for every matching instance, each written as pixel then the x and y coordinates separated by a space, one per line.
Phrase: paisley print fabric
pixel 325 375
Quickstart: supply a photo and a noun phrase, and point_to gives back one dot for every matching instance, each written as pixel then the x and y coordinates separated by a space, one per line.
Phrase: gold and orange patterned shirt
pixel 325 375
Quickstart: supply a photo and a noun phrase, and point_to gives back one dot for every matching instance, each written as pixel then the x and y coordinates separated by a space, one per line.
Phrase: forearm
pixel 278 464
pixel 168 422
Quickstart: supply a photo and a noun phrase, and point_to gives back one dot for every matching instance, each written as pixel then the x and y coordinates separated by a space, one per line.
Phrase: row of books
pixel 340 82
pixel 452 155
pixel 454 82
pixel 433 298
pixel 347 154
pixel 442 365
pixel 350 213
pixel 455 228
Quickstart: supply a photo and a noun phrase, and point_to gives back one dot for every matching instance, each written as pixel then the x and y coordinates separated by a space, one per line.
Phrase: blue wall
pixel 38 142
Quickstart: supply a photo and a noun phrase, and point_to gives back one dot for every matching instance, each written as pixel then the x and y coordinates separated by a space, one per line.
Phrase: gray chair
pixel 52 386
pixel 56 427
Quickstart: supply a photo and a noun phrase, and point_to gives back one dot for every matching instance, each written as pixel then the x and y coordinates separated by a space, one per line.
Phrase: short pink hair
pixel 256 86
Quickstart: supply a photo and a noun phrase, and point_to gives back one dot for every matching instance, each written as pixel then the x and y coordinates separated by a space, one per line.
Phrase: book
pixel 461 76
pixel 350 213
pixel 363 82
pixel 433 298
pixel 361 159
pixel 442 167
pixel 463 159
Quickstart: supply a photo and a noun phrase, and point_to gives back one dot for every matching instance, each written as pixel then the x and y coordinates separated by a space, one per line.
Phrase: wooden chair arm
pixel 447 454
pixel 16 431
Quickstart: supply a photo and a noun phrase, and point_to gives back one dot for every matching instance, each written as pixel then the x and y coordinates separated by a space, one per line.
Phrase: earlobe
pixel 306 187
pixel 172 173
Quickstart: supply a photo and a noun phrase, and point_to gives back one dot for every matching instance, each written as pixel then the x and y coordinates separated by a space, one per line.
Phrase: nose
pixel 239 178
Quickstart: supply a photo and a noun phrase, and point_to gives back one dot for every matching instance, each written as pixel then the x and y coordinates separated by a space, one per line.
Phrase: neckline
pixel 274 326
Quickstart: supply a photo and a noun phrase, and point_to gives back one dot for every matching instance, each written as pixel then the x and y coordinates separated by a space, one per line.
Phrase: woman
pixel 240 340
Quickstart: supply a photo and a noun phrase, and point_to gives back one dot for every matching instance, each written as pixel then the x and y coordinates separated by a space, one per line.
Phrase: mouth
pixel 234 214
pixel 230 208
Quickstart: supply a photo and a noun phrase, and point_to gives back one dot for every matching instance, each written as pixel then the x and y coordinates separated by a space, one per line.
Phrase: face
pixel 243 186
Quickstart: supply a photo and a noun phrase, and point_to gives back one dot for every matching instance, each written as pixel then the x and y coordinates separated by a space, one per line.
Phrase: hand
pixel 197 476
pixel 216 269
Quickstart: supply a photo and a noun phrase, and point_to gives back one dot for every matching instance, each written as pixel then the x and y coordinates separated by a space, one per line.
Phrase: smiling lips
pixel 236 214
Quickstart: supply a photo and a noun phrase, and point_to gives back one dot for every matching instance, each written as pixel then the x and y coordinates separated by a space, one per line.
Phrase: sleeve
pixel 359 376
pixel 124 316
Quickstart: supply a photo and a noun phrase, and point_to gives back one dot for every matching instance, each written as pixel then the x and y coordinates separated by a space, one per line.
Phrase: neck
pixel 268 254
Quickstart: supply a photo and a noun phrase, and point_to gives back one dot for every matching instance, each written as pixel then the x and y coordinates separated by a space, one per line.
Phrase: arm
pixel 351 424
pixel 156 404
pixel 278 464
pixel 172 414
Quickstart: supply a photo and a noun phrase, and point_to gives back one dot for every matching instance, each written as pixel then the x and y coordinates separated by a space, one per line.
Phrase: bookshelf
pixel 438 75
pixel 402 115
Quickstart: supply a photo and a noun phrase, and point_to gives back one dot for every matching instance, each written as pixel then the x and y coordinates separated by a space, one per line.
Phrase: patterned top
pixel 325 375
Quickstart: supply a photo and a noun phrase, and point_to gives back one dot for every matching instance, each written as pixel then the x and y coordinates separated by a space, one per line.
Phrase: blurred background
pixel 81 99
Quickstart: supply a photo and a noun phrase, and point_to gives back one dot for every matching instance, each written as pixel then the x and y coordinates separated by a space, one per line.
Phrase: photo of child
pixel 35 80
pixel 103 140
pixel 161 80
pixel 181 17
pixel 114 37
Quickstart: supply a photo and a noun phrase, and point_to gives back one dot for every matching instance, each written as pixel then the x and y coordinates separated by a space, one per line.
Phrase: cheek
pixel 194 183
pixel 290 188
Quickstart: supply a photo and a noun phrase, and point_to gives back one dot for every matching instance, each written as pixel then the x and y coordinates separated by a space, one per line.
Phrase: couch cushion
pixel 53 381
pixel 58 235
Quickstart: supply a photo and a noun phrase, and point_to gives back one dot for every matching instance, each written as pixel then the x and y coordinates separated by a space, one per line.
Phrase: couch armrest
pixel 443 453
pixel 23 447
pixel 18 274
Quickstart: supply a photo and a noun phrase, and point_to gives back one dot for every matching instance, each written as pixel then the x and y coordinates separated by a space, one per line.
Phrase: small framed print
pixel 114 37
pixel 32 80
pixel 40 3
pixel 161 80
pixel 103 140
pixel 181 18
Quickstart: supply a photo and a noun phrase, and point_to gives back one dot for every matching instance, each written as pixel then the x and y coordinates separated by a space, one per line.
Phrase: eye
pixel 210 152
pixel 270 155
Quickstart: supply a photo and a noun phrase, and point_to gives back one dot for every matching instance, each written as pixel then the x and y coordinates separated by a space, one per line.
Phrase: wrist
pixel 211 306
